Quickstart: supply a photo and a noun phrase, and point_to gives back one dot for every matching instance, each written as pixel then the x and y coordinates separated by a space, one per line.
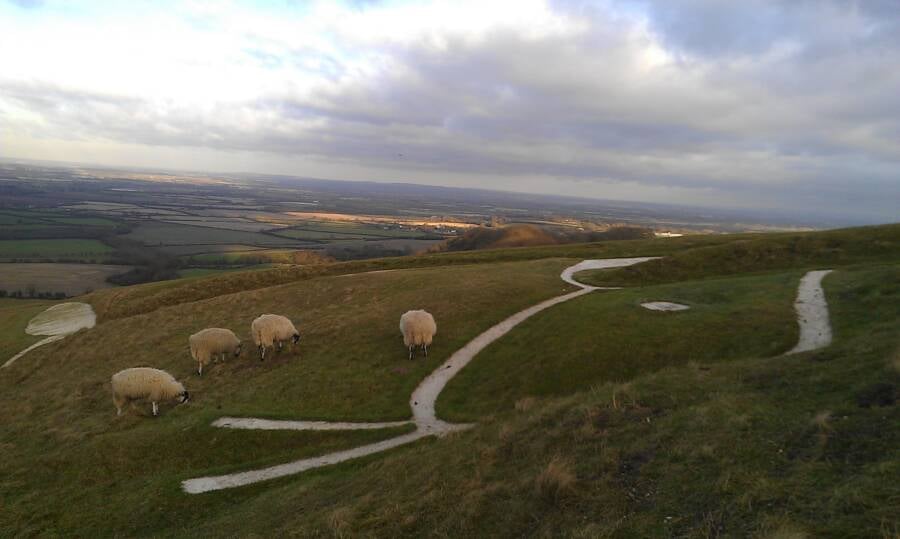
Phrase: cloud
pixel 763 104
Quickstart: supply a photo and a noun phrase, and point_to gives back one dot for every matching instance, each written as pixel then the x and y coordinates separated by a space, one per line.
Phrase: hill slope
pixel 594 417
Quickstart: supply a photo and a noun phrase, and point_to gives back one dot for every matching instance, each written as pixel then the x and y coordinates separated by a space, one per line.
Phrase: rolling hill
pixel 592 418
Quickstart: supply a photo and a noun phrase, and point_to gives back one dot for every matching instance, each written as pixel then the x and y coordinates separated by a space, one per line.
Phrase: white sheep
pixel 418 329
pixel 272 330
pixel 207 343
pixel 144 383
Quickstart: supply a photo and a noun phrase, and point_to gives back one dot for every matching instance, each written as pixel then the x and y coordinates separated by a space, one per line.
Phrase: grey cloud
pixel 818 123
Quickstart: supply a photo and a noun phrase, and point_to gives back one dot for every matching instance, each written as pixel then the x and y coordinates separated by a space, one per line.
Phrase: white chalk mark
pixel 812 313
pixel 664 306
pixel 55 323
pixel 275 424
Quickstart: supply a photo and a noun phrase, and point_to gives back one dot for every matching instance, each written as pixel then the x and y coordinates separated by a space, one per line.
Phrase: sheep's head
pixel 184 396
pixel 237 349
pixel 296 338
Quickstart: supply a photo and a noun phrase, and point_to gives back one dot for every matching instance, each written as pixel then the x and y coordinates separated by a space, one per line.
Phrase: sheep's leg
pixel 155 408
pixel 280 345
pixel 411 348
pixel 200 369
pixel 118 411
pixel 425 347
pixel 262 352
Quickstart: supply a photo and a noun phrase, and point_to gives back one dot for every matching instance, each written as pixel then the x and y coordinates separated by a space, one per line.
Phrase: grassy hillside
pixel 146 298
pixel 14 317
pixel 595 417
pixel 762 253
pixel 608 336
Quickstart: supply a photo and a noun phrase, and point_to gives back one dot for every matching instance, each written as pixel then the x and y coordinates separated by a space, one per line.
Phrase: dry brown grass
pixel 525 403
pixel 557 479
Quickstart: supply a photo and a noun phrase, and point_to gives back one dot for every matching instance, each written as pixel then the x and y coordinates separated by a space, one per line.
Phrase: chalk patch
pixel 664 306
pixel 812 313
pixel 55 323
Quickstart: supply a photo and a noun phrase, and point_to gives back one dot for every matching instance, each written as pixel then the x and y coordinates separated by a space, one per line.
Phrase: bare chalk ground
pixel 425 395
pixel 812 313
pixel 55 323
pixel 422 400
pixel 664 306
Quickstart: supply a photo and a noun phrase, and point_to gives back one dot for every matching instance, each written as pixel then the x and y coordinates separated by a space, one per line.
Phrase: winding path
pixel 422 401
pixel 815 332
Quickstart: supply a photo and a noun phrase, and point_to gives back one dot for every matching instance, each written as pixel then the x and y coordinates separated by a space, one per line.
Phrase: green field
pixel 609 337
pixel 595 418
pixel 72 279
pixel 167 234
pixel 28 218
pixel 72 249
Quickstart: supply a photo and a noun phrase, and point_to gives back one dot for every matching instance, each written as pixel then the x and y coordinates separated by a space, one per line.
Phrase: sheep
pixel 270 330
pixel 146 383
pixel 418 329
pixel 207 343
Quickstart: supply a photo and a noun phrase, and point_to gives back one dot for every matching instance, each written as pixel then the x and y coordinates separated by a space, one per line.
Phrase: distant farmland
pixel 67 249
pixel 73 279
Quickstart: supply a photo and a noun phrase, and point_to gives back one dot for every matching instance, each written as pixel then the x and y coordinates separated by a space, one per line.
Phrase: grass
pixel 146 298
pixel 351 364
pixel 80 249
pixel 193 273
pixel 730 449
pixel 882 244
pixel 762 253
pixel 607 337
pixel 14 317
pixel 689 442
pixel 169 234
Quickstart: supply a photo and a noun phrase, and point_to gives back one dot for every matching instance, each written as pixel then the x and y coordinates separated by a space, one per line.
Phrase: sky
pixel 757 104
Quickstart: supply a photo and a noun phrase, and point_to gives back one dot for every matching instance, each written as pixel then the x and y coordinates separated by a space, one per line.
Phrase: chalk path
pixel 812 312
pixel 422 401
pixel 56 323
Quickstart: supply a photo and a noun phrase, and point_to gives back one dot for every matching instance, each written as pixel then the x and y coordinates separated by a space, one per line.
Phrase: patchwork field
pixel 69 249
pixel 73 279
pixel 167 234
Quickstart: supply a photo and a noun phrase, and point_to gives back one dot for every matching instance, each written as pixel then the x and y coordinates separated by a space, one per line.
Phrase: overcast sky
pixel 756 104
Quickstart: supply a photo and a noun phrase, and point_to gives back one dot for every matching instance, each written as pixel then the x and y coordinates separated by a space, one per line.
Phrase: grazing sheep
pixel 144 383
pixel 207 343
pixel 418 329
pixel 271 330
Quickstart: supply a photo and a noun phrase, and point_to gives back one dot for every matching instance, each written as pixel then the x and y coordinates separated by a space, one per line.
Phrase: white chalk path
pixel 56 323
pixel 422 401
pixel 811 309
pixel 812 313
